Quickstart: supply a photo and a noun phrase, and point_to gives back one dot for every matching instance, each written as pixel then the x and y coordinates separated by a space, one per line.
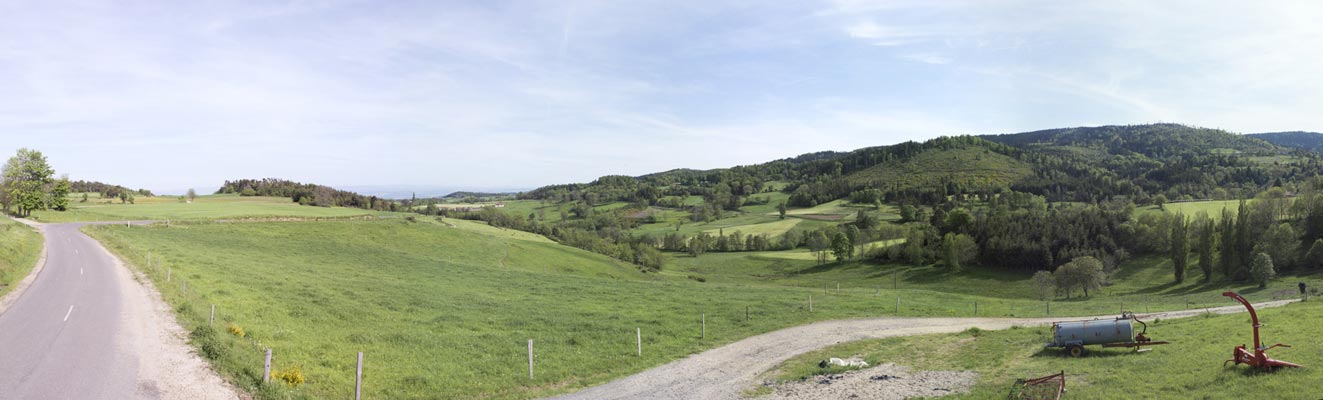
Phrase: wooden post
pixel 976 309
pixel 530 358
pixel 810 303
pixel 897 305
pixel 639 338
pixel 212 320
pixel 746 313
pixel 1049 309
pixel 266 369
pixel 704 319
pixel 358 376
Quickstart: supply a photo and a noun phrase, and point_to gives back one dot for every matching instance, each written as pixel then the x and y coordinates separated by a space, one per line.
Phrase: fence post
pixel 266 369
pixel 704 319
pixel 530 358
pixel 212 320
pixel 975 309
pixel 810 303
pixel 639 337
pixel 358 376
pixel 838 288
pixel 897 305
pixel 746 313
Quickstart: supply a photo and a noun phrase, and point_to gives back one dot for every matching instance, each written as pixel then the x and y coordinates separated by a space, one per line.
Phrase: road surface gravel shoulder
pixel 725 372
pixel 168 368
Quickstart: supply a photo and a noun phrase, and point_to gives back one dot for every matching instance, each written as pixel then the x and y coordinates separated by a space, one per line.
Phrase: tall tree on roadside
pixel 1281 243
pixel 1226 260
pixel 193 195
pixel 1261 269
pixel 841 246
pixel 1180 246
pixel 1244 247
pixel 1314 257
pixel 1206 243
pixel 60 194
pixel 26 177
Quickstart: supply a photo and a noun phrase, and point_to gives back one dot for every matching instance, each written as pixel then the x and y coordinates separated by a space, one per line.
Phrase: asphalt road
pixel 63 338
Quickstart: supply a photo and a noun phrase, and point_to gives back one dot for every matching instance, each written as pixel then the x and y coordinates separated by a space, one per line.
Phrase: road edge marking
pixel 67 313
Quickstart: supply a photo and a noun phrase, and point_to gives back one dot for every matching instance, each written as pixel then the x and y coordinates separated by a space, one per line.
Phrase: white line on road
pixel 66 315
pixel 80 270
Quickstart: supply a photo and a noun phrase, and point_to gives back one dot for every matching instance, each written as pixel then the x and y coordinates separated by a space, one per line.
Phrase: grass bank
pixel 1188 368
pixel 20 246
pixel 445 311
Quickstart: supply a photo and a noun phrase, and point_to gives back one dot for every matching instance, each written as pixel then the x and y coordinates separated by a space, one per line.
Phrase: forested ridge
pixel 305 193
pixel 1052 200
pixel 1312 141
pixel 1031 201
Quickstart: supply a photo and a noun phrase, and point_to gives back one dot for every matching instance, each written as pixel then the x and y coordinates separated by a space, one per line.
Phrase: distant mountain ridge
pixel 1312 141
pixel 1068 164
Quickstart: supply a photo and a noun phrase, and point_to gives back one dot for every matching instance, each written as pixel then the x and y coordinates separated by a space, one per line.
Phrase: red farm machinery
pixel 1259 358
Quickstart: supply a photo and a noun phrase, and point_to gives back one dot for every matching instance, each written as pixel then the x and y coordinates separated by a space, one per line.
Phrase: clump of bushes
pixel 292 375
pixel 209 342
pixel 237 330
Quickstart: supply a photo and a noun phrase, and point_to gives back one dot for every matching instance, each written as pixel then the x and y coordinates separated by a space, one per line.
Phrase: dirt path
pixel 726 371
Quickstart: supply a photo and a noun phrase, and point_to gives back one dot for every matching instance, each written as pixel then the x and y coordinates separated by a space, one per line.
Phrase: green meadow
pixel 444 308
pixel 203 208
pixel 20 246
pixel 1188 368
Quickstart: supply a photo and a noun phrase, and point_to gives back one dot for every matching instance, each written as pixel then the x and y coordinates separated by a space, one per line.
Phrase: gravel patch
pixel 883 382
pixel 168 368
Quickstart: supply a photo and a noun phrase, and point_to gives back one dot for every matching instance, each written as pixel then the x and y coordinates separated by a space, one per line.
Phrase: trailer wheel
pixel 1075 350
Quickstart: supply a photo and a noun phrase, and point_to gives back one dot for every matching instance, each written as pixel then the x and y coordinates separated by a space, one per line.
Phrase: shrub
pixel 207 340
pixel 292 375
pixel 237 330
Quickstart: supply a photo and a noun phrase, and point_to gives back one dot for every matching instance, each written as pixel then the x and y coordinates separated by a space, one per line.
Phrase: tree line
pixel 306 194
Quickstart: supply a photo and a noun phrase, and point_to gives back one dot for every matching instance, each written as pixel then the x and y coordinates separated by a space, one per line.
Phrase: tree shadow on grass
pixel 1093 351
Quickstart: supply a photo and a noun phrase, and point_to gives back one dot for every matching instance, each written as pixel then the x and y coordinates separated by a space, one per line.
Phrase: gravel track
pixel 725 372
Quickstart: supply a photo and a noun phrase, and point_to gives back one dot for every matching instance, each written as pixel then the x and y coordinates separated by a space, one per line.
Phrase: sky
pixel 169 95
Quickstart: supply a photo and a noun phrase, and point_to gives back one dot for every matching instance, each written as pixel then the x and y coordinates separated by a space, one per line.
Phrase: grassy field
pixel 1189 368
pixel 1191 208
pixel 445 309
pixel 205 207
pixel 19 248
pixel 771 228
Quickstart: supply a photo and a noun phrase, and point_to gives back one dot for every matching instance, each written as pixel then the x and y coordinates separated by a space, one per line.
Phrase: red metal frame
pixel 1033 389
pixel 1259 359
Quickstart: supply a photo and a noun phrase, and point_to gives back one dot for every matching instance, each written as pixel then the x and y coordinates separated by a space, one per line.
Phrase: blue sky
pixel 171 95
